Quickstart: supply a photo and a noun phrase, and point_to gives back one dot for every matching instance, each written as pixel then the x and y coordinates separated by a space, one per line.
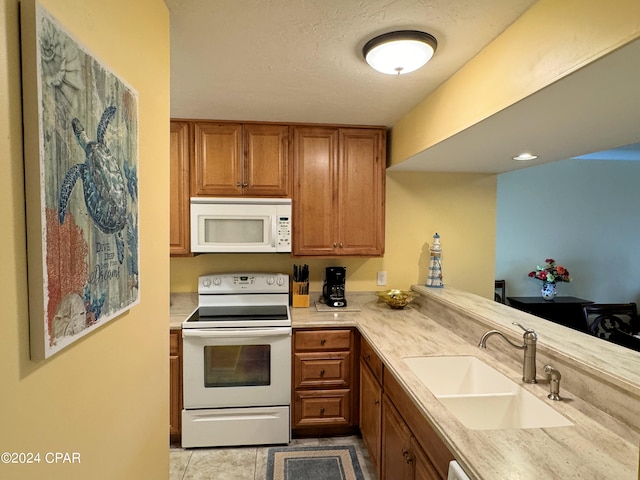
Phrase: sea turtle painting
pixel 105 193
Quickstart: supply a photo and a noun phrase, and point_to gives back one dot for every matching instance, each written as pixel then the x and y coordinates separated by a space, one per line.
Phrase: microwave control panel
pixel 284 232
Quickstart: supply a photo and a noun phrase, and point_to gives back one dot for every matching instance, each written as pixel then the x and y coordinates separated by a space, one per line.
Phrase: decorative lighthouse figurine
pixel 435 266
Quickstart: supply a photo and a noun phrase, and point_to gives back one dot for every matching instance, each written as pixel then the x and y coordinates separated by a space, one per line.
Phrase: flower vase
pixel 548 291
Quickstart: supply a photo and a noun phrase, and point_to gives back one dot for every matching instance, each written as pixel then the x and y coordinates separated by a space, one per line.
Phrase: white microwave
pixel 240 225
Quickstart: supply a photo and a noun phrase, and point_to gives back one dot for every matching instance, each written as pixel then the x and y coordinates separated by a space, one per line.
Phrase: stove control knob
pixel 217 281
pixel 270 280
pixel 206 282
pixel 280 281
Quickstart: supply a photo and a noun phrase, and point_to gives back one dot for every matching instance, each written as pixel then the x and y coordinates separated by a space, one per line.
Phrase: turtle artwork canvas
pixel 81 182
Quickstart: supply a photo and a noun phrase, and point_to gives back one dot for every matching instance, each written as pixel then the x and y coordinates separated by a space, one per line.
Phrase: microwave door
pixel 228 233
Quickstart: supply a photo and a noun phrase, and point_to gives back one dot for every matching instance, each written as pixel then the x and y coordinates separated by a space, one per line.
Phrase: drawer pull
pixel 322 411
pixel 367 357
pixel 323 341
pixel 376 402
pixel 322 372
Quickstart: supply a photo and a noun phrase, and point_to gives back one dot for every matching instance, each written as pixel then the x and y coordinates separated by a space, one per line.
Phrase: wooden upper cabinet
pixel 179 241
pixel 315 152
pixel 338 192
pixel 361 176
pixel 233 159
pixel 217 163
pixel 267 170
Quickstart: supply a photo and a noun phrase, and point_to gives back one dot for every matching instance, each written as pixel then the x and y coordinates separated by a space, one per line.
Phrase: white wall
pixel 583 213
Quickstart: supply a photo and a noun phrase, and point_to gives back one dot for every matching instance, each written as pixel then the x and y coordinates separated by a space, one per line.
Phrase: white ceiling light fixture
pixel 525 157
pixel 399 52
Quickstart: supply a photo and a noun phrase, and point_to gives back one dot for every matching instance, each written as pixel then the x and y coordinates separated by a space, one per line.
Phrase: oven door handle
pixel 237 332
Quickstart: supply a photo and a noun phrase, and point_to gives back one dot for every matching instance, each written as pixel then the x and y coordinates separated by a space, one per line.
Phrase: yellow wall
pixel 106 396
pixel 549 41
pixel 461 208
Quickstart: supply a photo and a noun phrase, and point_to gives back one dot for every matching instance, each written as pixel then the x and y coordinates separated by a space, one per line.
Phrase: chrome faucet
pixel 554 382
pixel 529 346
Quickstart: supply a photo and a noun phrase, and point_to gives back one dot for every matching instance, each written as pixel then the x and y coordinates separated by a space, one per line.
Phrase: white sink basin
pixel 481 397
pixel 464 375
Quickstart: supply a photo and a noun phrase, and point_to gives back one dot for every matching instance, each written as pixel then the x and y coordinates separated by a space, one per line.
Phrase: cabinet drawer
pixel 324 370
pixel 322 340
pixel 370 357
pixel 322 408
pixel 175 338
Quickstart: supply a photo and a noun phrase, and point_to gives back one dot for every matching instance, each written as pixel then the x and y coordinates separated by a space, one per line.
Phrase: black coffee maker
pixel 333 290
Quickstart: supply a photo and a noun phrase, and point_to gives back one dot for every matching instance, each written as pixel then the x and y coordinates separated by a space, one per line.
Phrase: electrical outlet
pixel 382 278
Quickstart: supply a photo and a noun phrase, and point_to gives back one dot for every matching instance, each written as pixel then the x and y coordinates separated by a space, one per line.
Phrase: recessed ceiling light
pixel 400 52
pixel 523 157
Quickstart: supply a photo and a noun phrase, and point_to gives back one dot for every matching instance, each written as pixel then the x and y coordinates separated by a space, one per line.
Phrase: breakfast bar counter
pixel 600 384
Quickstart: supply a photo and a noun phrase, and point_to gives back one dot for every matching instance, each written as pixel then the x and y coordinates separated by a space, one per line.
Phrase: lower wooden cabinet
pixel 371 402
pixel 396 444
pixel 175 385
pixel 324 396
pixel 429 456
pixel 423 469
pixel 402 445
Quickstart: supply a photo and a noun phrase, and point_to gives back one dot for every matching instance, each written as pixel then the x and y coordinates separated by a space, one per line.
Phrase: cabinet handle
pixel 376 402
pixel 341 245
pixel 322 372
pixel 407 457
pixel 238 184
pixel 335 244
pixel 322 411
pixel 244 184
pixel 323 341
pixel 367 357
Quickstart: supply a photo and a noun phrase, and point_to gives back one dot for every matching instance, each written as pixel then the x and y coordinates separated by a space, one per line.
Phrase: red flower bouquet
pixel 550 272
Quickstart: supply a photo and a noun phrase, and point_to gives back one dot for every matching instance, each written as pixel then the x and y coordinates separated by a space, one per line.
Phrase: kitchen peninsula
pixel 600 384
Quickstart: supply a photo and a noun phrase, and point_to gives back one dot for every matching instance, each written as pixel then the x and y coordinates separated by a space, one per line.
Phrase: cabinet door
pixel 315 190
pixel 362 163
pixel 179 241
pixel 370 413
pixel 396 444
pixel 175 385
pixel 422 467
pixel 217 164
pixel 266 169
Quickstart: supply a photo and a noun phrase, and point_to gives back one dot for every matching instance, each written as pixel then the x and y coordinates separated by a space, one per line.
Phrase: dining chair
pixel 616 322
pixel 500 291
pixel 625 339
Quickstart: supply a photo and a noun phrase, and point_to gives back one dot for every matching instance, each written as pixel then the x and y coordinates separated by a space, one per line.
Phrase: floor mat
pixel 338 462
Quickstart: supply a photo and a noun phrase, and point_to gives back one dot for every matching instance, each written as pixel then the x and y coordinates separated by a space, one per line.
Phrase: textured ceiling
pixel 301 60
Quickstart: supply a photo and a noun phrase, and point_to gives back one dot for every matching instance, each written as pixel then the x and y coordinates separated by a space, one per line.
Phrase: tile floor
pixel 248 463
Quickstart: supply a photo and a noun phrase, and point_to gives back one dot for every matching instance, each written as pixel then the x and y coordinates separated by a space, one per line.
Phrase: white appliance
pixel 237 362
pixel 240 225
pixel 456 472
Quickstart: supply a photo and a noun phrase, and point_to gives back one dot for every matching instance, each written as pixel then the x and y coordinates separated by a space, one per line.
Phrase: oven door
pixel 239 367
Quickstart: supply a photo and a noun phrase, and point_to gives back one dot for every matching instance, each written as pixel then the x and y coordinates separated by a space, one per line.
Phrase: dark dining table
pixel 565 311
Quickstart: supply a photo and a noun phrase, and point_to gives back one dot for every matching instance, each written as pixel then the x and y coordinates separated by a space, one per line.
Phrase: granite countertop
pixel 182 305
pixel 598 445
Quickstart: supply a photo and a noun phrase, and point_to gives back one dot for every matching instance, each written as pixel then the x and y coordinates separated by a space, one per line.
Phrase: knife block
pixel 299 299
